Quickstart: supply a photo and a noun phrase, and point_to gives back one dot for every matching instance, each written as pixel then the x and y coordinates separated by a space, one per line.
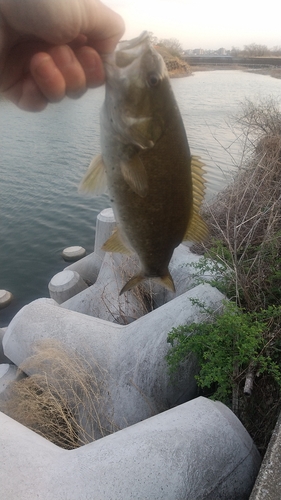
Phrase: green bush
pixel 227 346
pixel 242 258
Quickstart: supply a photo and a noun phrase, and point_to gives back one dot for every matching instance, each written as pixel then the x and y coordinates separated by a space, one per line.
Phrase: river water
pixel 44 156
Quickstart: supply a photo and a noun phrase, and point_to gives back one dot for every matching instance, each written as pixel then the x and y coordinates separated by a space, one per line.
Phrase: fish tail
pixel 166 281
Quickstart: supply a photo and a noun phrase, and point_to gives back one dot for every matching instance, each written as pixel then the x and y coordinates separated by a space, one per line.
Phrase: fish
pixel 156 188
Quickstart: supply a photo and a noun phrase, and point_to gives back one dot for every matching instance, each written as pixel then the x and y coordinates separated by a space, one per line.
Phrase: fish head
pixel 137 82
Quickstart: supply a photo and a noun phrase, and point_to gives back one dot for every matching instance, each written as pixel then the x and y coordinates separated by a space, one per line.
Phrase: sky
pixel 206 24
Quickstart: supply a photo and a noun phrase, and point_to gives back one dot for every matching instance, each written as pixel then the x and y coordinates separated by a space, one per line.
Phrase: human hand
pixel 52 48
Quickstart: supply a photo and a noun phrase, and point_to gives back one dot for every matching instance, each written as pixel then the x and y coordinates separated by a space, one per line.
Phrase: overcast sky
pixel 204 23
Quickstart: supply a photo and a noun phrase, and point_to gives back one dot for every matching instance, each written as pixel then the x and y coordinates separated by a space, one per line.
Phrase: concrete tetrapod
pixel 133 355
pixel 108 272
pixel 198 450
pixel 65 284
pixel 103 300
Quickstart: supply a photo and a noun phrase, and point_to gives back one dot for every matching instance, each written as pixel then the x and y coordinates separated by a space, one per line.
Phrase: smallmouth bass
pixel 155 187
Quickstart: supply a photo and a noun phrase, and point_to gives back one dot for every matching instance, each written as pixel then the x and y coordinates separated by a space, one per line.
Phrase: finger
pixel 70 69
pixel 92 66
pixel 58 73
pixel 47 76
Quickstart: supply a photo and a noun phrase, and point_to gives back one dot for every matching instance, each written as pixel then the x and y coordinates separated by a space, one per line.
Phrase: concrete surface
pixel 3 358
pixel 8 373
pixel 5 298
pixel 102 299
pixel 133 356
pixel 108 273
pixel 196 451
pixel 89 266
pixel 66 284
pixel 268 483
pixel 73 253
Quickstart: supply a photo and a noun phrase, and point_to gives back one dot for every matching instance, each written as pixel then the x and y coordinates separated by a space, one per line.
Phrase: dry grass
pixel 245 237
pixel 246 217
pixel 64 399
pixel 128 307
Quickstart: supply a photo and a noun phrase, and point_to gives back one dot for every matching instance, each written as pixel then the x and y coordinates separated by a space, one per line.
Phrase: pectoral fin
pixel 135 175
pixel 94 181
pixel 115 244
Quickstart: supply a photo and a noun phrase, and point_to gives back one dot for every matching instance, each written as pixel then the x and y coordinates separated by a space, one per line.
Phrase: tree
pixel 172 45
pixel 153 38
pixel 276 51
pixel 235 51
pixel 256 50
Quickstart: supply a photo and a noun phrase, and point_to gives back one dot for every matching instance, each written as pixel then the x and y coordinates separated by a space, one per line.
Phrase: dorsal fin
pixel 94 181
pixel 197 229
pixel 198 182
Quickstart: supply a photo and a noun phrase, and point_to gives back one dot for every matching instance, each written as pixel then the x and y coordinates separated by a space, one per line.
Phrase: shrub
pixel 228 346
pixel 243 255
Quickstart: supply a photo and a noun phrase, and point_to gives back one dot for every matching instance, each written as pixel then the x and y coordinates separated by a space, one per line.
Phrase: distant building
pixel 198 52
pixel 221 51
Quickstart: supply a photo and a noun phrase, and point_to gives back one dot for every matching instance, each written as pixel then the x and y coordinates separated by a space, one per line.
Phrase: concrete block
pixel 105 225
pixel 89 266
pixel 65 284
pixel 8 373
pixel 196 451
pixel 133 355
pixel 109 272
pixel 3 358
pixel 102 299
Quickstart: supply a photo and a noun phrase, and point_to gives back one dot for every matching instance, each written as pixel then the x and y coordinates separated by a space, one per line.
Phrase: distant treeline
pixel 256 50
pixel 241 61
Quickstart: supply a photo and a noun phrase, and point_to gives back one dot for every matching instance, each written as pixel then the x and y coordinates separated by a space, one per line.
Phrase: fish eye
pixel 153 80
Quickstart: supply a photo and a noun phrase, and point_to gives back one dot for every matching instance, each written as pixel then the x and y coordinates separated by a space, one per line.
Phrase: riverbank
pixel 271 71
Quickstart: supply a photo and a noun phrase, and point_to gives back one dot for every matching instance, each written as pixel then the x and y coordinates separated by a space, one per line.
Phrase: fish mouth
pixel 126 52
pixel 131 44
